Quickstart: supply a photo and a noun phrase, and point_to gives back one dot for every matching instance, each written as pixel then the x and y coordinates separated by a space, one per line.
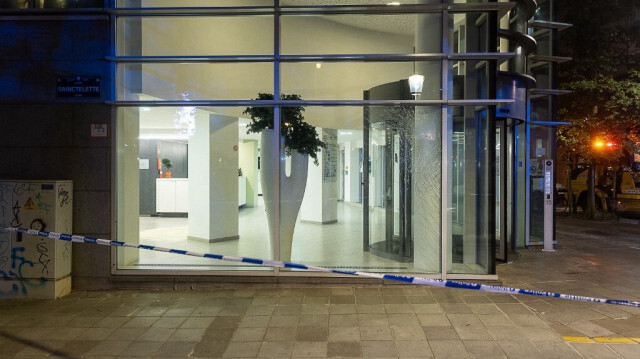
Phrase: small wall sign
pixel 78 87
pixel 99 130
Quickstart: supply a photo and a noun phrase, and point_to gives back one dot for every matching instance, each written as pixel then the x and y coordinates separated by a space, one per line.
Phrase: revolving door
pixel 388 183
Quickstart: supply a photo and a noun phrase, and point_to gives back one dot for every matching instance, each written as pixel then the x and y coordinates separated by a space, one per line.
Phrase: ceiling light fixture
pixel 395 3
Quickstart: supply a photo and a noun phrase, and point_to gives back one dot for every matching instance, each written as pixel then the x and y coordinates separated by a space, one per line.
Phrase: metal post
pixel 548 206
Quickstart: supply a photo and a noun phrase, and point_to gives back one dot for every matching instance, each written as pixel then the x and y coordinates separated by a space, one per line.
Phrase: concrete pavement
pixel 594 258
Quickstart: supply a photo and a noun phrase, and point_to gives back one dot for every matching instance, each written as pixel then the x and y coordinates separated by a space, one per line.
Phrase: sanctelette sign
pixel 78 87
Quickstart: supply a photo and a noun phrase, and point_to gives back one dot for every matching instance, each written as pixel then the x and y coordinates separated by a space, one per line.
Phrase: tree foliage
pixel 604 81
pixel 298 134
pixel 605 109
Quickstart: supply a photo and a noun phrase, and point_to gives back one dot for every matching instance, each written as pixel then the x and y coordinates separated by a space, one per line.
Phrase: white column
pixel 427 160
pixel 249 165
pixel 320 203
pixel 213 178
pixel 354 172
pixel 128 177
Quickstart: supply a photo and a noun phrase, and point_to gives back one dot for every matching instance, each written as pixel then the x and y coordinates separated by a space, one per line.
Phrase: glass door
pixel 390 192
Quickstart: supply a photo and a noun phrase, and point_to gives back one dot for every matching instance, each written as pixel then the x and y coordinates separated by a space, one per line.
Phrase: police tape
pixel 280 264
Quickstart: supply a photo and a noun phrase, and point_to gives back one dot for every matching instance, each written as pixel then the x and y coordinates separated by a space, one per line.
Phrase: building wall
pixel 44 137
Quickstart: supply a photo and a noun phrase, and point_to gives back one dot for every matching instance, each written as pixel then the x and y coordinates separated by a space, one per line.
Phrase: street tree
pixel 604 79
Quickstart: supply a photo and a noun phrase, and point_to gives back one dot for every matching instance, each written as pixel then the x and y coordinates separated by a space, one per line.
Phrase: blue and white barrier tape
pixel 273 263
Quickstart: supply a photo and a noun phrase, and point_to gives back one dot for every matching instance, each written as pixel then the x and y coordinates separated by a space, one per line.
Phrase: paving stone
pixel 218 334
pixel 242 350
pixel 156 334
pixel 210 349
pixel 484 349
pixel 403 319
pixel 175 349
pixel 312 334
pixel 371 309
pixel 368 299
pixel 430 308
pixel 342 291
pixel 179 312
pixel 309 350
pixel 398 308
pixel 315 309
pixel 558 350
pixel 281 334
pixel 114 347
pixel 231 311
pixel 434 320
pixel 375 333
pixel 140 322
pixel 514 309
pixel 260 310
pixel 342 309
pixel 456 308
pixel 206 311
pixel 249 334
pixel 413 348
pixel 516 349
pixel 527 321
pixel 449 349
pixel 287 309
pixel 311 320
pixel 315 300
pixel 464 320
pixel 344 349
pixel 485 309
pixel 365 320
pixel 440 333
pixel 591 329
pixel 473 333
pixel 342 299
pixel 414 332
pixel 126 333
pixel 337 334
pixel 275 350
pixel 65 333
pixel 495 320
pixel 422 299
pixel 169 322
pixel 541 334
pixel 186 335
pixel 41 348
pixel 284 321
pixel 255 321
pixel 343 320
pixel 627 351
pixel 142 349
pixel 595 350
pixel 379 348
pixel 197 322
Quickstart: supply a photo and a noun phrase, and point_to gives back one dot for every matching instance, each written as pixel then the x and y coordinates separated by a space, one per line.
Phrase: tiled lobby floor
pixel 387 321
pixel 338 245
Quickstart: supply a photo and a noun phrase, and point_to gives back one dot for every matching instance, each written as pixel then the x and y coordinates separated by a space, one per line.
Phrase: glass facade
pixel 405 183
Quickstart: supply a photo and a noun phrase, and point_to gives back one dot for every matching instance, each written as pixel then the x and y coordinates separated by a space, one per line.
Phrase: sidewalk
pixel 594 258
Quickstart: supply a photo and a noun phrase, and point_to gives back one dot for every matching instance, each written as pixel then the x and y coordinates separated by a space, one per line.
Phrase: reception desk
pixel 172 194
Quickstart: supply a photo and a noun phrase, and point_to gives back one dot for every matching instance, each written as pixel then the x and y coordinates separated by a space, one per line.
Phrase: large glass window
pixel 472 191
pixel 195 173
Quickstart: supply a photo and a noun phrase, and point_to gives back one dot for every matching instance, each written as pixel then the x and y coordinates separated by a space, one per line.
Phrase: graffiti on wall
pixel 27 261
pixel 20 283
